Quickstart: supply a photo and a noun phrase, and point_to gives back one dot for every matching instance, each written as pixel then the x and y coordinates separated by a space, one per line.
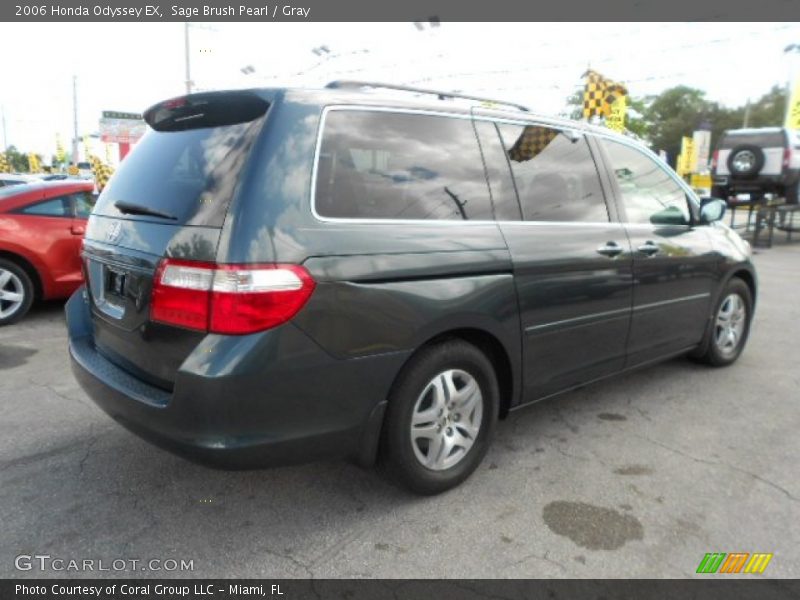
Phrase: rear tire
pixel 729 326
pixel 440 419
pixel 16 292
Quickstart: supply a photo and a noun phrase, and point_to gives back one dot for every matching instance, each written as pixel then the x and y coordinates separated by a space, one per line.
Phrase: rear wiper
pixel 131 208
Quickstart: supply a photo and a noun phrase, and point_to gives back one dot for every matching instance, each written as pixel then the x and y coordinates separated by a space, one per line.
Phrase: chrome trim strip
pixel 577 320
pixel 366 108
pixel 673 301
pixel 610 313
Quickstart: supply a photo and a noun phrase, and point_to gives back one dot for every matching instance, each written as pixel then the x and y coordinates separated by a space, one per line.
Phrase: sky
pixel 129 66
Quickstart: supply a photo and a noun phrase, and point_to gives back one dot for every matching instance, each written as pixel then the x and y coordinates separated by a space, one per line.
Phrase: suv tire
pixel 446 394
pixel 16 292
pixel 757 163
pixel 728 327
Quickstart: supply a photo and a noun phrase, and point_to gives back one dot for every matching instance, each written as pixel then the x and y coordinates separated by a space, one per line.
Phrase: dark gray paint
pixel 560 312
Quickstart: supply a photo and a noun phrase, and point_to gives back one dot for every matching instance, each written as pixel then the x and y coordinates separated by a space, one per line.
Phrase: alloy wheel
pixel 12 293
pixel 446 419
pixel 730 324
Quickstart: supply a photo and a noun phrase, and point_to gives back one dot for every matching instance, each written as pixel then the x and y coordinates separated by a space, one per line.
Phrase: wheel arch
pixel 748 277
pixel 494 350
pixel 509 381
pixel 29 268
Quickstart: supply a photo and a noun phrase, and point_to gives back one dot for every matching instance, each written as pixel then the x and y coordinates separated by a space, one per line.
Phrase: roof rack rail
pixel 345 83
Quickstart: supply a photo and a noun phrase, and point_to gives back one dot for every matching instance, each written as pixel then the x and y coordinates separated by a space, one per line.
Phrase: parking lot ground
pixel 637 476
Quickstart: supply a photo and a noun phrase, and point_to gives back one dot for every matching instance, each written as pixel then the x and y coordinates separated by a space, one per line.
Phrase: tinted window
pixel 555 174
pixel 84 203
pixel 498 171
pixel 189 174
pixel 649 193
pixel 57 207
pixel 382 165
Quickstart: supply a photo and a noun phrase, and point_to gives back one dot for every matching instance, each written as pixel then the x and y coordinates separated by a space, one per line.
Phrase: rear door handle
pixel 648 248
pixel 78 229
pixel 611 249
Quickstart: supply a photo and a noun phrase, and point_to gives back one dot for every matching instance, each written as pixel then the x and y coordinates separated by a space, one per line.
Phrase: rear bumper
pixel 758 183
pixel 239 402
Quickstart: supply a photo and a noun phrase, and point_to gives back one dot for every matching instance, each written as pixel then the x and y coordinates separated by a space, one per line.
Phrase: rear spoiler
pixel 210 109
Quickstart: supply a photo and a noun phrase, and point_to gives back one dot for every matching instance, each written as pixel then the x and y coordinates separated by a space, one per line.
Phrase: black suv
pixel 757 162
pixel 281 275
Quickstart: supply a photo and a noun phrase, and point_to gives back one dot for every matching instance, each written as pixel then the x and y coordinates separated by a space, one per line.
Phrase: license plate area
pixel 115 283
pixel 107 286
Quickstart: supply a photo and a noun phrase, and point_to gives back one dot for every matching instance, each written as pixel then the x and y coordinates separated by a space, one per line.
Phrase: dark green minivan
pixel 380 273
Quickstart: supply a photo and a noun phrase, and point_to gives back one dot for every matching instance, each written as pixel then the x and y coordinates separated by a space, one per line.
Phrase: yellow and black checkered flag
pixel 531 142
pixel 102 172
pixel 5 167
pixel 599 94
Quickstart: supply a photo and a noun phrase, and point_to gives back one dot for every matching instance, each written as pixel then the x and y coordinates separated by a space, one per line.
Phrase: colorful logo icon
pixel 734 562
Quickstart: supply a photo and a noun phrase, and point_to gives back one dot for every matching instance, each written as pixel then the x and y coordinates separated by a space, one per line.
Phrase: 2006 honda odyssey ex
pixel 280 275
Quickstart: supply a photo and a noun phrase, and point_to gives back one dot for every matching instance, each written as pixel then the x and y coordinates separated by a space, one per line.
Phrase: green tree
pixel 769 110
pixel 674 113
pixel 663 119
pixel 17 159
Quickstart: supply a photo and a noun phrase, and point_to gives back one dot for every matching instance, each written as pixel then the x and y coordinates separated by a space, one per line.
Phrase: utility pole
pixel 75 119
pixel 186 49
pixel 746 121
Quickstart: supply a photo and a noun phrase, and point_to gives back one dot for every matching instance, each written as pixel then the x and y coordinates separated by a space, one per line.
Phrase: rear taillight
pixel 714 160
pixel 787 157
pixel 232 299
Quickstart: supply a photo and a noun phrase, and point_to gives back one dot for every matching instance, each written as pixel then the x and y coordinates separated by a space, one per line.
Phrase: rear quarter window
pixel 382 165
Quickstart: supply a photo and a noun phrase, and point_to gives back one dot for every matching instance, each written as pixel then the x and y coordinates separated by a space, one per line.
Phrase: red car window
pixel 55 207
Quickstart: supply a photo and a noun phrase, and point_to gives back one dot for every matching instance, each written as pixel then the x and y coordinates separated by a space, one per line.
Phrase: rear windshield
pixel 762 139
pixel 190 174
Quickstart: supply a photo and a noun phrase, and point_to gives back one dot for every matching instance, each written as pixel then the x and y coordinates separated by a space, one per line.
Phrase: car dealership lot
pixel 638 476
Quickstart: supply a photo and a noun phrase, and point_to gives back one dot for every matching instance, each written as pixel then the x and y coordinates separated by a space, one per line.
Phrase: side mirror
pixel 672 215
pixel 711 210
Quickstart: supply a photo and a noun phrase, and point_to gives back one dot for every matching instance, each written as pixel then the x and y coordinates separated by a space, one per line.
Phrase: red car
pixel 41 228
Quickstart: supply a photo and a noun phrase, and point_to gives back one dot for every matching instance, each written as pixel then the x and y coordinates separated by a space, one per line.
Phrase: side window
pixel 498 171
pixel 649 193
pixel 56 207
pixel 84 203
pixel 555 174
pixel 379 165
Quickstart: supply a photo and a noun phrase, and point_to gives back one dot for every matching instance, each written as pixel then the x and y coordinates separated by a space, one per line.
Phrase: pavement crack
pixel 545 557
pixel 92 441
pixel 296 562
pixel 31 458
pixel 716 463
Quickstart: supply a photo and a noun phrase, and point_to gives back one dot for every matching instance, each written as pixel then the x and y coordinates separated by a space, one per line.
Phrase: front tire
pixel 729 328
pixel 16 292
pixel 441 416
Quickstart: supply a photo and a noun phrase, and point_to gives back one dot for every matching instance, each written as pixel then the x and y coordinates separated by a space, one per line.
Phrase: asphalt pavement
pixel 637 476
